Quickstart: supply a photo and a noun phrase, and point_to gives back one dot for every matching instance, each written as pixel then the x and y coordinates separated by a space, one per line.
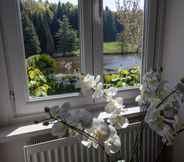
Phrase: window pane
pixel 52 46
pixel 122 47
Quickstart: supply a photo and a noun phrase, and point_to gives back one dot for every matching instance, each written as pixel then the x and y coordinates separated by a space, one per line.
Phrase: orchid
pixel 162 105
pixel 99 131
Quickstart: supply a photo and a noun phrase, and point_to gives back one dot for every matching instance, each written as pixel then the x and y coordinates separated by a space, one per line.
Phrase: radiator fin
pixel 70 149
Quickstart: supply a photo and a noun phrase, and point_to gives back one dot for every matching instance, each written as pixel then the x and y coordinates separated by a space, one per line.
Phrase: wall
pixel 173 60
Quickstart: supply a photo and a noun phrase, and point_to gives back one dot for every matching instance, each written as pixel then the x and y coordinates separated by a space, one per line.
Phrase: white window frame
pixel 91 53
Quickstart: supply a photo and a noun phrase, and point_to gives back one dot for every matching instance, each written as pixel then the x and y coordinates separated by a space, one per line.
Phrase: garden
pixel 52 46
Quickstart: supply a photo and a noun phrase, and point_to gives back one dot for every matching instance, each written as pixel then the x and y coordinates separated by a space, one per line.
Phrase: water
pixel 113 62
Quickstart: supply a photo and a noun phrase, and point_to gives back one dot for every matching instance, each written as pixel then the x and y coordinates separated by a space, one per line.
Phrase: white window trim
pixel 90 63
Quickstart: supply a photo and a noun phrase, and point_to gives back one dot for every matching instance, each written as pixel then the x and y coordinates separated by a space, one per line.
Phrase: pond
pixel 113 62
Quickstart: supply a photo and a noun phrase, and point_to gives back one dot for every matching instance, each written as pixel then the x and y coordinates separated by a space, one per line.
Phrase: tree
pixel 109 26
pixel 131 16
pixel 31 41
pixel 42 16
pixel 66 37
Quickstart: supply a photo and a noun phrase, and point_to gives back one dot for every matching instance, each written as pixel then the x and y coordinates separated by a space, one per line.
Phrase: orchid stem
pixel 170 94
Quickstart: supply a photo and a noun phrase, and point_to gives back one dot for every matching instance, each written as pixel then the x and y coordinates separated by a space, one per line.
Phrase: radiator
pixel 70 149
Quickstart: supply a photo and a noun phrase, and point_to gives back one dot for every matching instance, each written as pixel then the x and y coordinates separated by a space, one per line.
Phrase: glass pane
pixel 122 47
pixel 52 46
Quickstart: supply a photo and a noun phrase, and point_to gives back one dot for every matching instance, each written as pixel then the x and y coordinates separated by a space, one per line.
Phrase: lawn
pixel 115 48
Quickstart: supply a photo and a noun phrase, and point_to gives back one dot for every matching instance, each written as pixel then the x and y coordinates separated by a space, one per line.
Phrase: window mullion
pixel 86 36
pixel 153 32
pixel 98 37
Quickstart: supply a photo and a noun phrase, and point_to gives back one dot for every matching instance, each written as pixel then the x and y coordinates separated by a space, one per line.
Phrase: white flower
pixel 138 99
pixel 118 121
pixel 113 144
pixel 87 143
pixel 89 83
pixel 100 129
pixel 58 129
pixel 115 106
pixel 99 92
pixel 111 92
pixel 68 66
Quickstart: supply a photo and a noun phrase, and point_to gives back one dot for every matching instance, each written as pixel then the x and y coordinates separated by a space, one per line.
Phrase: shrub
pixel 37 82
pixel 43 80
pixel 46 64
pixel 124 78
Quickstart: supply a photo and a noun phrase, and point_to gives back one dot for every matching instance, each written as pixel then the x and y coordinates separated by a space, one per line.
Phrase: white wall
pixel 173 60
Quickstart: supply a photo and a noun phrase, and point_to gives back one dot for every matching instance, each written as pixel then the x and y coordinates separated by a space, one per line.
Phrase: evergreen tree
pixel 31 41
pixel 57 16
pixel 109 26
pixel 41 18
pixel 66 37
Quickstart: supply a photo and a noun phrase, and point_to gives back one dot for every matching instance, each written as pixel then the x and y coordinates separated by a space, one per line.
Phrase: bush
pixel 37 82
pixel 46 64
pixel 124 78
pixel 43 80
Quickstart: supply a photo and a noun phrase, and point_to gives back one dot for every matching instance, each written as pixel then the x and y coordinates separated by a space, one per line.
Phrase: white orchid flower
pixel 111 92
pixel 100 129
pixel 115 106
pixel 91 81
pixel 138 99
pixel 113 144
pixel 89 84
pixel 99 92
pixel 118 121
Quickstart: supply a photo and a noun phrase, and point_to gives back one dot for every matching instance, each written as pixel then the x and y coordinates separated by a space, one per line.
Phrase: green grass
pixel 115 48
pixel 112 47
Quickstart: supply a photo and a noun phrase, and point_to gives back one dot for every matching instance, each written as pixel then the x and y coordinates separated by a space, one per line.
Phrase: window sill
pixel 8 134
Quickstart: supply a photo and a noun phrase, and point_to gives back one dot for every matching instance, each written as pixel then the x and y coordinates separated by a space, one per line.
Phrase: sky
pixel 108 3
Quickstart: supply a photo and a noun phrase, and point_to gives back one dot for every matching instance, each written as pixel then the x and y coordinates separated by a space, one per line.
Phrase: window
pixel 123 23
pixel 48 42
pixel 51 35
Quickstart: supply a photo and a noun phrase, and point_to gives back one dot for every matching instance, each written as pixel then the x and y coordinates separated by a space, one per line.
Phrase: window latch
pixel 12 95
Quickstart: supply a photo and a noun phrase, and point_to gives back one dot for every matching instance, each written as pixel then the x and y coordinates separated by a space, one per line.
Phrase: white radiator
pixel 70 149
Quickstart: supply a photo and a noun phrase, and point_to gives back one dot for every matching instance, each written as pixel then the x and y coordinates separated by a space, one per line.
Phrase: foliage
pixel 124 78
pixel 66 37
pixel 49 35
pixel 31 41
pixel 42 16
pixel 131 16
pixel 114 48
pixel 109 26
pixel 37 82
pixel 46 64
pixel 43 80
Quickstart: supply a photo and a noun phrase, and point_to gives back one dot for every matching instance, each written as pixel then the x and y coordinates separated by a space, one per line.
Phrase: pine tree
pixel 31 41
pixel 66 37
pixel 42 16
pixel 109 26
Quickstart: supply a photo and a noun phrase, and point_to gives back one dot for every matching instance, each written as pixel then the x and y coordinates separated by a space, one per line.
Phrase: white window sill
pixel 8 134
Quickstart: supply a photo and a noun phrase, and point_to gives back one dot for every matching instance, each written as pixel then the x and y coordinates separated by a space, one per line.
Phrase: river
pixel 112 62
